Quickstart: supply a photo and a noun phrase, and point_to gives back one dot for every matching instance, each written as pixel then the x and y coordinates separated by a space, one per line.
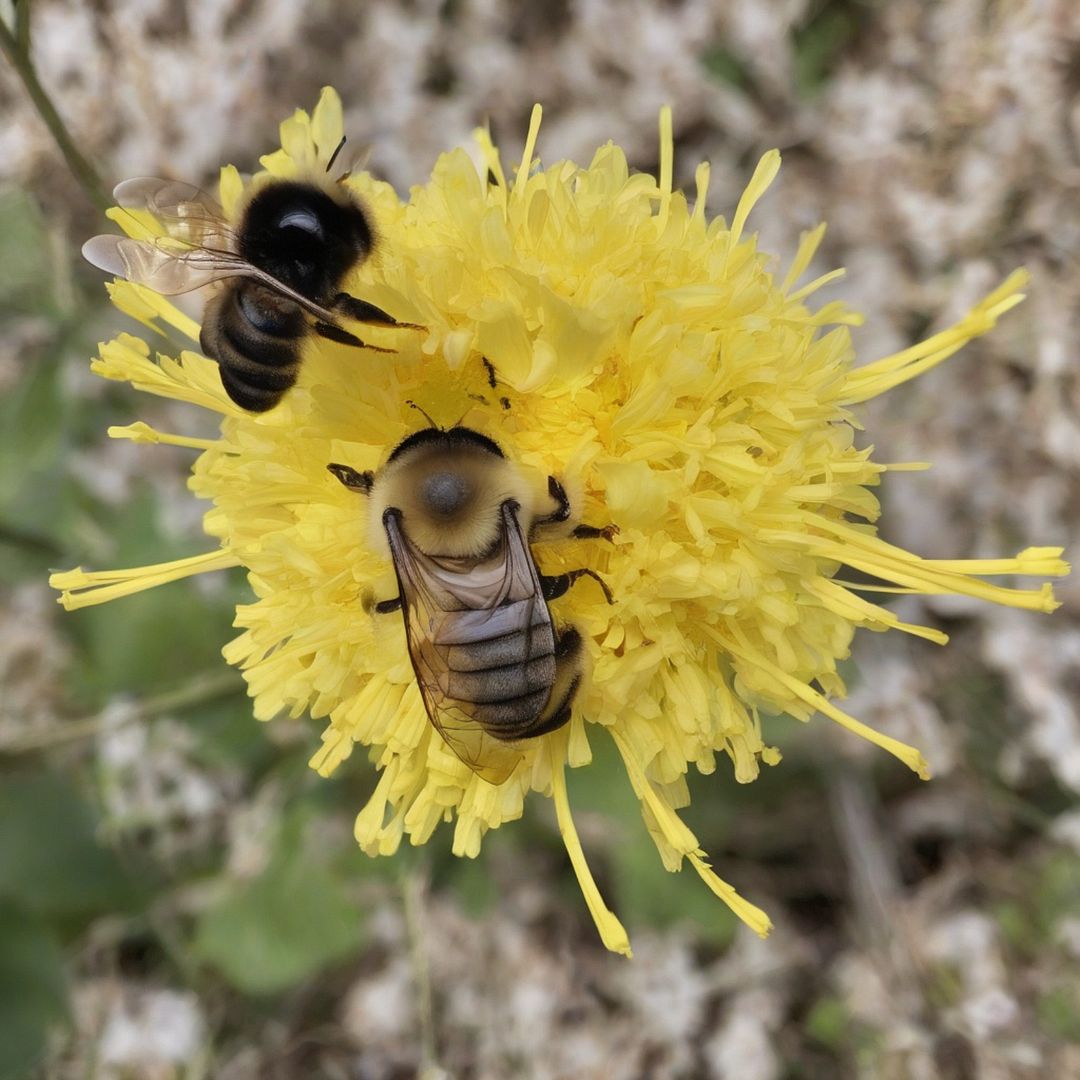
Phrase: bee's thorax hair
pixel 450 491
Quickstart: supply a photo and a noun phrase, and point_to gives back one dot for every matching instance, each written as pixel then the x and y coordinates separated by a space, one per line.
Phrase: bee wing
pixel 187 212
pixel 490 758
pixel 198 249
pixel 166 268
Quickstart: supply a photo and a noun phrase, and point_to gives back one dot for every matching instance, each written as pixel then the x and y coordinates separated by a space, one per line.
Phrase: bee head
pixel 450 487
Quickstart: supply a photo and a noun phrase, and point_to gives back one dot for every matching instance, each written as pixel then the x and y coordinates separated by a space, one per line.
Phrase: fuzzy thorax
pixel 450 497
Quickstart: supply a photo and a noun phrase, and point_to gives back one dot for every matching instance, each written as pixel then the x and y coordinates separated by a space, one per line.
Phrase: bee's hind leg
pixel 555 585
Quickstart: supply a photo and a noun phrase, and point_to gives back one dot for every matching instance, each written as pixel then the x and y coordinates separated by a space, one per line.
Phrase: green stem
pixel 16 48
pixel 412 888
pixel 198 692
pixel 22 25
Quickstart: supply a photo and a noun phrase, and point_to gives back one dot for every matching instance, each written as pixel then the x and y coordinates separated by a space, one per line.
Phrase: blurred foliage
pixel 286 924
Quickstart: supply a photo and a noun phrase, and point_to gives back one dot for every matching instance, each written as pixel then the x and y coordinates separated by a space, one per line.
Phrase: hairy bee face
pixel 449 487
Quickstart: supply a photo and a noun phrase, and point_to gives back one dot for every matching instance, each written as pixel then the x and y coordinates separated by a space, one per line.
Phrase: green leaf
pixel 33 996
pixel 50 858
pixel 1059 1013
pixel 283 926
pixel 724 66
pixel 828 1022
pixel 820 43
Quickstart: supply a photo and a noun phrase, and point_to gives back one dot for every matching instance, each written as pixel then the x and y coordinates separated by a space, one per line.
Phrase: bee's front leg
pixel 384 607
pixel 555 585
pixel 562 512
pixel 351 478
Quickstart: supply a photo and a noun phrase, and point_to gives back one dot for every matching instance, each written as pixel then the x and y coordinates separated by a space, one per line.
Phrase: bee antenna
pixel 423 413
pixel 333 156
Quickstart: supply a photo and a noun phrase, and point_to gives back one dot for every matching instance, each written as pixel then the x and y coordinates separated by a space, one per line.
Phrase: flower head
pixel 603 330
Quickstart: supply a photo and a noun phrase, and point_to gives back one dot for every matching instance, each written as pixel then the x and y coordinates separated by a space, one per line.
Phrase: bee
pixel 282 267
pixel 491 665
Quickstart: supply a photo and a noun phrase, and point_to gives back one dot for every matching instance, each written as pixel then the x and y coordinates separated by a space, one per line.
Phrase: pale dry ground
pixel 943 148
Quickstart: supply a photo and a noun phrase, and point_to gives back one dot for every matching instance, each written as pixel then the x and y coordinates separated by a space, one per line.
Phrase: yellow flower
pixel 650 360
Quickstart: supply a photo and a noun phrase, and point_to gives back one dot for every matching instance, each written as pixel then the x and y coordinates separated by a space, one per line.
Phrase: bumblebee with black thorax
pixel 285 262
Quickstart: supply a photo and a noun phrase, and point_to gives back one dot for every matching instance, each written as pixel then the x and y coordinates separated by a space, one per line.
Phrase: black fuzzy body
pixel 304 238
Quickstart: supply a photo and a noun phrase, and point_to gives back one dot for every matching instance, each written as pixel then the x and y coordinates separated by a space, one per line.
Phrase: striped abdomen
pixel 499 664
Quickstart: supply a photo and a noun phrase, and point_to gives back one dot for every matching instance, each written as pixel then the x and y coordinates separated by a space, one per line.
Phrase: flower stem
pixel 16 47
pixel 412 890
pixel 200 691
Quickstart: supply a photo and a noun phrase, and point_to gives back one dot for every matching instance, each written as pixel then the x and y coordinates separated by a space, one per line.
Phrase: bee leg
pixel 562 504
pixel 595 532
pixel 353 480
pixel 555 585
pixel 336 333
pixel 562 512
pixel 384 607
pixel 362 311
pixel 567 660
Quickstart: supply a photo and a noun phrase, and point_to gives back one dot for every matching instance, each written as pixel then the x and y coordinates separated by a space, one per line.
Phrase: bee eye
pixel 445 493
pixel 305 220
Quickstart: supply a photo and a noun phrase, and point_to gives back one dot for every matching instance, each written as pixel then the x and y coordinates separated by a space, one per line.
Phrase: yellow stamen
pixel 684 841
pixel 809 242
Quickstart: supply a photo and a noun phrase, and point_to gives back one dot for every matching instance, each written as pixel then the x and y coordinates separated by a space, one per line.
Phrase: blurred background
pixel 181 897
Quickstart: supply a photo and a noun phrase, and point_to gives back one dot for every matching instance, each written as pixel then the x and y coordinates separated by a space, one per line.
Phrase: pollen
pixel 605 329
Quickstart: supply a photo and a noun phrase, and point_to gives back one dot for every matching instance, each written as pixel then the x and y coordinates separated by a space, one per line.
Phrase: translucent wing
pixel 163 265
pixel 199 248
pixel 186 212
pixel 511 603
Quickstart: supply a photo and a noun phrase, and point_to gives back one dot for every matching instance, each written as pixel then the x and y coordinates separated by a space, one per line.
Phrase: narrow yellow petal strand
pixel 817 283
pixel 701 186
pixel 837 598
pixel 875 378
pixel 863 551
pixel 146 305
pixel 230 191
pixel 520 182
pixel 809 242
pixel 141 432
pixel 327 123
pixel 667 164
pixel 82 588
pixel 684 841
pixel 764 175
pixel 612 932
pixel 909 755
pixel 750 914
